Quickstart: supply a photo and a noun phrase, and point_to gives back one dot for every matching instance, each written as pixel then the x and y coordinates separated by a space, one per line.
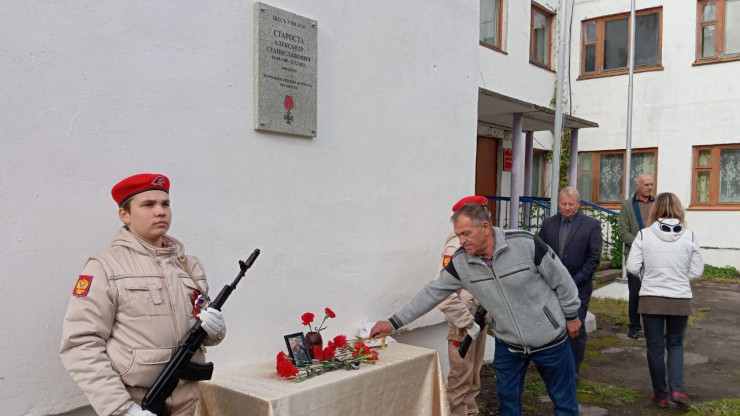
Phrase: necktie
pixel 563 236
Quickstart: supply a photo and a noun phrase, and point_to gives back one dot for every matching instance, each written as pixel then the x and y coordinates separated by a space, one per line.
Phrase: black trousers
pixel 633 285
pixel 578 344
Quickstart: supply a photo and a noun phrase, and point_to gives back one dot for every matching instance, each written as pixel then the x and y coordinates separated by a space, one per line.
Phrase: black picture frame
pixel 297 349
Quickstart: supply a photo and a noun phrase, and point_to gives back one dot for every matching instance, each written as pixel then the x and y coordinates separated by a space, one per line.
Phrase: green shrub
pixel 727 274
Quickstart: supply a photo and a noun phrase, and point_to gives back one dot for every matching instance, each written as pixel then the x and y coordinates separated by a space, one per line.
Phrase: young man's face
pixel 475 239
pixel 149 216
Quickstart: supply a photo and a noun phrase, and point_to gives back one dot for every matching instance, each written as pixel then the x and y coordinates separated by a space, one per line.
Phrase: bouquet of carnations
pixel 338 354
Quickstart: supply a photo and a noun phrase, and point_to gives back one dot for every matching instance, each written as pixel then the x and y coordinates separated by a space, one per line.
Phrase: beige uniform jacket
pixel 459 308
pixel 128 324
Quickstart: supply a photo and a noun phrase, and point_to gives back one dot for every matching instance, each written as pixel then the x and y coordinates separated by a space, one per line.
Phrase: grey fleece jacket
pixel 529 292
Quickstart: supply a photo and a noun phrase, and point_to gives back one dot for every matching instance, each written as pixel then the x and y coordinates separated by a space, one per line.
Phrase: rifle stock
pixel 180 366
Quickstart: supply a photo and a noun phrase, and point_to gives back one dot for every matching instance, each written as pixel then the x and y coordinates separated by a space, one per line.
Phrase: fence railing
pixel 534 210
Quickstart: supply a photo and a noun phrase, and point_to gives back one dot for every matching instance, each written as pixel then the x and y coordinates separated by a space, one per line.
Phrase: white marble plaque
pixel 285 46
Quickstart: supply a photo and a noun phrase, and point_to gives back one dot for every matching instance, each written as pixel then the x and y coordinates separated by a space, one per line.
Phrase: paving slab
pixel 614 290
pixel 585 410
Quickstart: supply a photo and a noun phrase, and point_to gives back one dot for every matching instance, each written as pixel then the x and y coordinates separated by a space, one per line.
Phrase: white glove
pixel 136 410
pixel 474 330
pixel 212 321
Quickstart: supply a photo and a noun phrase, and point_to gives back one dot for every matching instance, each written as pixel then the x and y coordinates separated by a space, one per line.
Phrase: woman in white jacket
pixel 666 256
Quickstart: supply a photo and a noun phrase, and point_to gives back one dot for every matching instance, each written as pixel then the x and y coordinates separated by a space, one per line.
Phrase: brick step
pixel 608 275
pixel 604 265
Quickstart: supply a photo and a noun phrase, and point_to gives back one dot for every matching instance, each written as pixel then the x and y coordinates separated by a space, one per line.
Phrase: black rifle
pixel 480 319
pixel 180 366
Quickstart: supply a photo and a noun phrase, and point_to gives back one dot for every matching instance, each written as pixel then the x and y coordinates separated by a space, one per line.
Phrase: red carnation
pixel 318 353
pixel 286 369
pixel 281 356
pixel 330 350
pixel 307 318
pixel 340 341
pixel 330 313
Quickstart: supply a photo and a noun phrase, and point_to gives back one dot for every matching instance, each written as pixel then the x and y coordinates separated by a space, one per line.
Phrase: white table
pixel 405 381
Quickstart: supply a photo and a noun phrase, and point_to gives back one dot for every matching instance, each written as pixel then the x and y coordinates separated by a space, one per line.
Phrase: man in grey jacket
pixel 529 293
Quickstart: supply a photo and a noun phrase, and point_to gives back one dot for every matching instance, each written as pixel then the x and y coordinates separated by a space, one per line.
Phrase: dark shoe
pixel 680 399
pixel 634 333
pixel 663 403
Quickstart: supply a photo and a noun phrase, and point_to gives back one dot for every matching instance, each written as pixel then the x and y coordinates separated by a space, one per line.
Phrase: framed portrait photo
pixel 297 349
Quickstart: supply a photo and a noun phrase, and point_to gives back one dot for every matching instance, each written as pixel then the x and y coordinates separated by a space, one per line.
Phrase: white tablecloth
pixel 405 381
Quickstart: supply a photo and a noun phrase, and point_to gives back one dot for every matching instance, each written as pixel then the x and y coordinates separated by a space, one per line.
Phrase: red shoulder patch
pixel 82 286
pixel 446 260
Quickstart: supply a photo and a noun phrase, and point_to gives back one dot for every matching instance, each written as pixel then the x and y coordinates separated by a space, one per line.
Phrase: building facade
pixel 415 103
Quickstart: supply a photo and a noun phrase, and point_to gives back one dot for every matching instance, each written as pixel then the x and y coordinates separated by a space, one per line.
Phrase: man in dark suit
pixel 577 241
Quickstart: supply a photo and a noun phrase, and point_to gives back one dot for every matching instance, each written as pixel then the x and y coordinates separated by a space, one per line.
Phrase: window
pixel 717 30
pixel 540 36
pixel 490 23
pixel 716 179
pixel 605 43
pixel 601 174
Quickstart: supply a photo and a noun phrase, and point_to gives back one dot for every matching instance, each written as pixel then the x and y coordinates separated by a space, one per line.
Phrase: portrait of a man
pixel 297 349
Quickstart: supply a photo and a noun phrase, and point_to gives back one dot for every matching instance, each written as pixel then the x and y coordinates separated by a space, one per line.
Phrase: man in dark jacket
pixel 577 240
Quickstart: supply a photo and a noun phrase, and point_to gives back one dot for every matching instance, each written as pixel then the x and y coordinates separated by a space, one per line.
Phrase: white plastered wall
pixel 674 109
pixel 353 219
pixel 513 75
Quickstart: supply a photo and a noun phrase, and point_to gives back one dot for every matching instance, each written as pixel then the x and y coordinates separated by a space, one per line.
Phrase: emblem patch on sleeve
pixel 82 286
pixel 446 260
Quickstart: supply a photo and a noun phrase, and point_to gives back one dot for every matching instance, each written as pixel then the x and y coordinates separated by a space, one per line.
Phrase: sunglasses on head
pixel 667 228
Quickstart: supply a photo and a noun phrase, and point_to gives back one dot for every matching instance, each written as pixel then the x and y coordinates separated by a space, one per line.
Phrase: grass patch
pixel 727 274
pixel 599 393
pixel 697 315
pixel 599 284
pixel 528 409
pixel 725 407
pixel 533 384
pixel 614 310
pixel 593 354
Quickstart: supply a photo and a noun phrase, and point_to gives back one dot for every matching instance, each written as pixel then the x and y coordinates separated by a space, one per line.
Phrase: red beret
pixel 137 184
pixel 473 199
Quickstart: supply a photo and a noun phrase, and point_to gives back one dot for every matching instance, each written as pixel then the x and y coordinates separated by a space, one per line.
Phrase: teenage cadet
pixel 132 305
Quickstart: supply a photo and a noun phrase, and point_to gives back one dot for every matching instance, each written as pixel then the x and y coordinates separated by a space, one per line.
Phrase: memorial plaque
pixel 285 47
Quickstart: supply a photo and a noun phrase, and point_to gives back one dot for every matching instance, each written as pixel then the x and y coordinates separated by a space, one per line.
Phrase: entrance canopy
pixel 498 109
pixel 520 116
